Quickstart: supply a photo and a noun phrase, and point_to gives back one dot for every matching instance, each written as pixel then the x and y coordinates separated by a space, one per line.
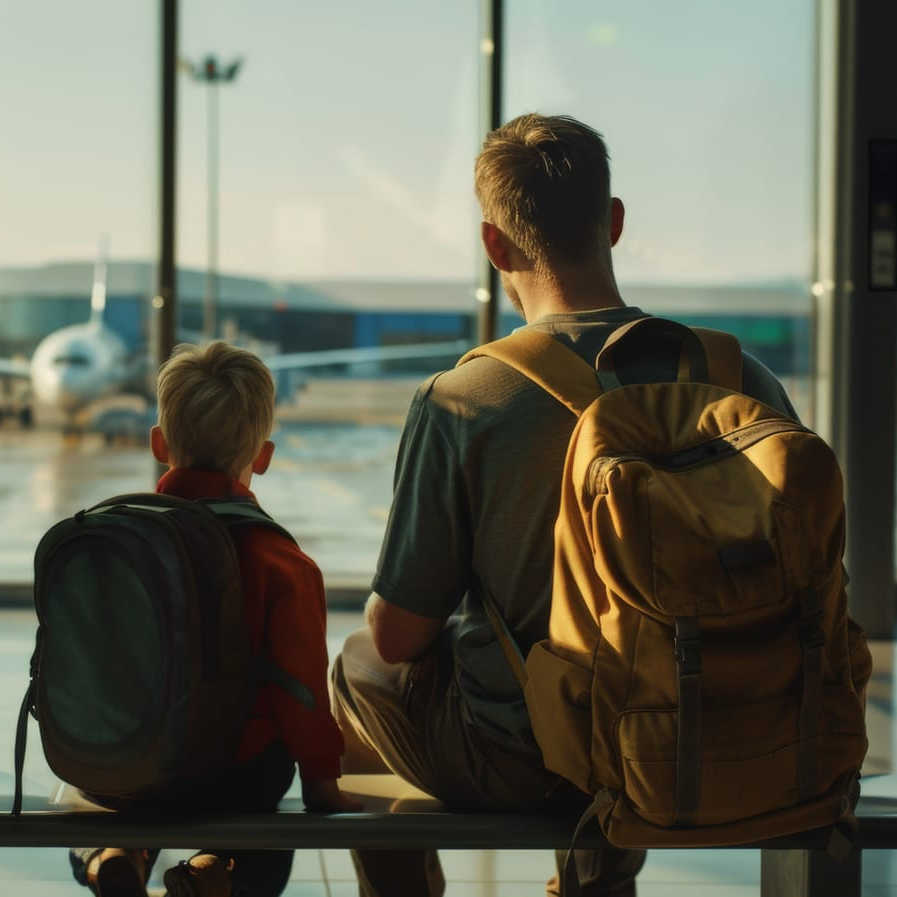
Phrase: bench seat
pixel 396 815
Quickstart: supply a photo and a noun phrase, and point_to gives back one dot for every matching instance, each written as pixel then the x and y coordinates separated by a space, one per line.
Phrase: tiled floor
pixel 329 873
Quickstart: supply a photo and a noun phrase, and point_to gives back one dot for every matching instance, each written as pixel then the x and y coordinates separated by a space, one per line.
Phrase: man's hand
pixel 324 796
pixel 399 634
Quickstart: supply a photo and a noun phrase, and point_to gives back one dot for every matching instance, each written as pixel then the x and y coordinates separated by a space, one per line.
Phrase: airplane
pixel 76 366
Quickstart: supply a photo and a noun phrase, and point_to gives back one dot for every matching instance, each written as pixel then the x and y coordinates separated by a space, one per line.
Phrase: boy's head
pixel 216 410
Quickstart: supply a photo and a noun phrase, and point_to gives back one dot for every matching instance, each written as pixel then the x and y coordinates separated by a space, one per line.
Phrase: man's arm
pixel 424 565
pixel 399 634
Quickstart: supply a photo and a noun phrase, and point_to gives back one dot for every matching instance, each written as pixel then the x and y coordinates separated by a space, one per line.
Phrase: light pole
pixel 492 44
pixel 212 74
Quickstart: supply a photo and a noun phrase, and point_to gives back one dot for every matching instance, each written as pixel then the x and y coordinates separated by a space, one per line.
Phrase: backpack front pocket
pixel 749 757
pixel 559 701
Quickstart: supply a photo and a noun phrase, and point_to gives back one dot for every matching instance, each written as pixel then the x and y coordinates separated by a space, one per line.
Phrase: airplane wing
pixel 10 367
pixel 294 361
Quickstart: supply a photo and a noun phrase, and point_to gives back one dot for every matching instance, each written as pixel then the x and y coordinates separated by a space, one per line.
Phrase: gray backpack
pixel 142 675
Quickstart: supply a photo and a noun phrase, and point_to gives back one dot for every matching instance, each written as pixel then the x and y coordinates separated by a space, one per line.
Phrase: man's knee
pixel 359 670
pixel 359 648
pixel 361 663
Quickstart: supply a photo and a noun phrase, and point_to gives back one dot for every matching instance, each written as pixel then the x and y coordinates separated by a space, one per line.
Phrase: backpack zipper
pixel 714 449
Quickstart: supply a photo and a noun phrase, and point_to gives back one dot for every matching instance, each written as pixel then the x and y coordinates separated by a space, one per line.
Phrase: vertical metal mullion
pixel 210 305
pixel 818 278
pixel 832 198
pixel 492 87
pixel 866 318
pixel 165 302
pixel 843 231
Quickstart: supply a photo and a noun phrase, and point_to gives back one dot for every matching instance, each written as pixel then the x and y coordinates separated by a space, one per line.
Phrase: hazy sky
pixel 348 140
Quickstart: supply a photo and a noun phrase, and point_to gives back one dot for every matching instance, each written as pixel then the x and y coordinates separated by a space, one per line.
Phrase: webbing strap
pixel 812 640
pixel 723 359
pixel 21 741
pixel 234 512
pixel 570 885
pixel 506 640
pixel 548 363
pixel 620 333
pixel 687 647
pixel 693 355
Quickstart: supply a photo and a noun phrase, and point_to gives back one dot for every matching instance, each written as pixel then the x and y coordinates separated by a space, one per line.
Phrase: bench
pixel 396 815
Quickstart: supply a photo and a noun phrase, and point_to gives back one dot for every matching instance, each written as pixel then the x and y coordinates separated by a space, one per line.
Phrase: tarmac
pixel 330 484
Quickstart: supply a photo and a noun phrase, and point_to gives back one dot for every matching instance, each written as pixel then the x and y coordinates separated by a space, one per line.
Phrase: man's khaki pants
pixel 408 718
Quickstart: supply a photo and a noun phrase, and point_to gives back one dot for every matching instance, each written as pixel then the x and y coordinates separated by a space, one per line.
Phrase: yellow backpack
pixel 701 679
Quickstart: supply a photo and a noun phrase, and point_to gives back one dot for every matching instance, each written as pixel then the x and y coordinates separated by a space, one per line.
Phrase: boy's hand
pixel 325 796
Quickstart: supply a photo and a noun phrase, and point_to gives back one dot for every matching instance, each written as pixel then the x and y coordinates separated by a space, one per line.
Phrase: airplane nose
pixel 59 388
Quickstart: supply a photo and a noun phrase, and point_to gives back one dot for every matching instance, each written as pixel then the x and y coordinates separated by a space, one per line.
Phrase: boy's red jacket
pixel 283 590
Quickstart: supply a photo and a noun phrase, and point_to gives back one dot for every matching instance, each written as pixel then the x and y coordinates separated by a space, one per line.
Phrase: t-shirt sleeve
pixel 759 382
pixel 424 564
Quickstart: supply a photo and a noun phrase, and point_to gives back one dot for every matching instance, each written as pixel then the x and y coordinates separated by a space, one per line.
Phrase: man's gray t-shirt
pixel 477 490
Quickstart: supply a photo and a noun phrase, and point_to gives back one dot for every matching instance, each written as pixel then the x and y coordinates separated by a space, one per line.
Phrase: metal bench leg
pixel 809 873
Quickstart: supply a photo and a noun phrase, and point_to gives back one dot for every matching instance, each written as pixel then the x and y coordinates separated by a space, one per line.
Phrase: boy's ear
pixel 158 445
pixel 263 458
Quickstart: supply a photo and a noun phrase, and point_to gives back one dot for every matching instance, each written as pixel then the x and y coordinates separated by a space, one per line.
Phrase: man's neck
pixel 566 291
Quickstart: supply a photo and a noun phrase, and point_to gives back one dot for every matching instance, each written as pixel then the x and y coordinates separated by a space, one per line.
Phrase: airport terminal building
pixel 772 320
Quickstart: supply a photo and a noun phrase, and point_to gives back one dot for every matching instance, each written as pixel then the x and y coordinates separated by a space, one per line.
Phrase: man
pixel 426 689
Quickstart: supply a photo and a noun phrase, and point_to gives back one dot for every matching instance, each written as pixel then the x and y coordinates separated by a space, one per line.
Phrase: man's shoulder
pixel 482 386
pixel 759 382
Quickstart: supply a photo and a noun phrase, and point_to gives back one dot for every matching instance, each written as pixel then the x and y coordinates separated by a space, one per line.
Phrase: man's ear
pixel 617 213
pixel 263 458
pixel 158 445
pixel 496 244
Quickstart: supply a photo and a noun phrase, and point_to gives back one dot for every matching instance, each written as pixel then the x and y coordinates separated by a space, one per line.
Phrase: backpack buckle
pixel 688 656
pixel 687 647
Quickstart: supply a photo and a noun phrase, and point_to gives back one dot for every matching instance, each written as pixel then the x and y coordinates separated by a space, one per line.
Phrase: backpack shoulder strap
pixel 548 363
pixel 236 513
pixel 725 364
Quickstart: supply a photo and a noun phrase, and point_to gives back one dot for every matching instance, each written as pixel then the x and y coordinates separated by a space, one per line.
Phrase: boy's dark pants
pixel 258 785
pixel 409 718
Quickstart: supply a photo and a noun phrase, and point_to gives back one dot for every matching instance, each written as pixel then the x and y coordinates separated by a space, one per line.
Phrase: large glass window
pixel 78 180
pixel 78 88
pixel 344 146
pixel 327 178
pixel 707 110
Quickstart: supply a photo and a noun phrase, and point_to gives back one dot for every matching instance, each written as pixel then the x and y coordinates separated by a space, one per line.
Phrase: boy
pixel 216 409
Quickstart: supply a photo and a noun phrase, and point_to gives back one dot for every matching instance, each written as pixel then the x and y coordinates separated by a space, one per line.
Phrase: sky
pixel 347 141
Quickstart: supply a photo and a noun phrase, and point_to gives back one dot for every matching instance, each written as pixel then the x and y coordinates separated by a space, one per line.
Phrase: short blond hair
pixel 216 406
pixel 545 181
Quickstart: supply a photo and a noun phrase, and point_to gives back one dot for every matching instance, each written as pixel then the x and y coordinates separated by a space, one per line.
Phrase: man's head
pixel 216 410
pixel 544 183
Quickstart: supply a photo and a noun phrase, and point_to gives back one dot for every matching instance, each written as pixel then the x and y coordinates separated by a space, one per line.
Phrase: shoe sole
pixel 117 877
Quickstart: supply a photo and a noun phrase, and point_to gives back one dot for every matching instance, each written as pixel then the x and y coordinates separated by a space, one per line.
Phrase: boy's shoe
pixel 118 873
pixel 205 875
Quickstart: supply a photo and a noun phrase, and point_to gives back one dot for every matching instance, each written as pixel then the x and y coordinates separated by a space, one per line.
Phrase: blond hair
pixel 545 181
pixel 216 406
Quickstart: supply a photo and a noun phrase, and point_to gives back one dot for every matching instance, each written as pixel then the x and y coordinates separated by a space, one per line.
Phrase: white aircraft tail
pixel 98 291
